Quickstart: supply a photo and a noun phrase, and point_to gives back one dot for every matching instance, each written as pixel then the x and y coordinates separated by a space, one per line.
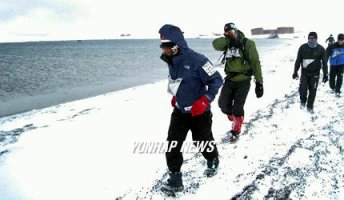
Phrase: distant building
pixel 125 34
pixel 279 30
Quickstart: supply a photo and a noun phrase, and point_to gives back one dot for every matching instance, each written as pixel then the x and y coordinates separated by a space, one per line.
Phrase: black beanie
pixel 340 36
pixel 313 34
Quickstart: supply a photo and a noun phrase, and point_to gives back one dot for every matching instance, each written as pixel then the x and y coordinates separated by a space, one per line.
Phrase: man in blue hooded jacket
pixel 193 84
pixel 335 53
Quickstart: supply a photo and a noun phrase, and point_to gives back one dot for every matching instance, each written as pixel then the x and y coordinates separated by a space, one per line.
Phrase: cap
pixel 313 34
pixel 340 36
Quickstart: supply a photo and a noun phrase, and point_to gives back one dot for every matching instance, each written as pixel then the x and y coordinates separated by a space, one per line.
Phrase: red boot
pixel 236 128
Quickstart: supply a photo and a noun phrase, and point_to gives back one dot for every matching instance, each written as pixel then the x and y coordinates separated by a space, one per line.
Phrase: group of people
pixel 312 57
pixel 194 82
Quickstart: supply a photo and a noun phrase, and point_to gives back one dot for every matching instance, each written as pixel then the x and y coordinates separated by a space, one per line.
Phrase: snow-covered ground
pixel 85 149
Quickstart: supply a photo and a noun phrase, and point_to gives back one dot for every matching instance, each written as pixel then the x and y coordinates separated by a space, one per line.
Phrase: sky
pixel 35 20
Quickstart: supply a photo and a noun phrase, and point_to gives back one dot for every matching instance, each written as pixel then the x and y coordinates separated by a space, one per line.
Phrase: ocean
pixel 35 75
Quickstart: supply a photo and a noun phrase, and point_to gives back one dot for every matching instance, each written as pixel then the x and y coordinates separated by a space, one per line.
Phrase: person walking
pixel 241 61
pixel 193 84
pixel 329 40
pixel 335 53
pixel 311 57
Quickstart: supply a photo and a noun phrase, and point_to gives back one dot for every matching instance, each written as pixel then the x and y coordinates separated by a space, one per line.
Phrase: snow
pixel 85 149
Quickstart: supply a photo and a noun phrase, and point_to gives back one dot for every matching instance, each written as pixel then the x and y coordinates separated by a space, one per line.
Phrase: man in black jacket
pixel 330 40
pixel 311 56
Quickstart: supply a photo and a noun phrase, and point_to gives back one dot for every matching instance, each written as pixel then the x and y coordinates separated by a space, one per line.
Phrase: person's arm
pixel 253 60
pixel 328 52
pixel 324 63
pixel 220 44
pixel 211 78
pixel 298 60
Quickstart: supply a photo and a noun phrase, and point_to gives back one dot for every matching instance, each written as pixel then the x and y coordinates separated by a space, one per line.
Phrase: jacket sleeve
pixel 298 60
pixel 220 44
pixel 328 52
pixel 253 59
pixel 324 62
pixel 211 78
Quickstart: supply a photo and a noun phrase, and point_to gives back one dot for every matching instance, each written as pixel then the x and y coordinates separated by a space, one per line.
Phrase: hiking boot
pixel 174 183
pixel 234 137
pixel 337 94
pixel 302 105
pixel 310 110
pixel 212 166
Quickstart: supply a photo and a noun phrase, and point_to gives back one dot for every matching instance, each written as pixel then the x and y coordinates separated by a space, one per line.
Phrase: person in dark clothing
pixel 312 57
pixel 335 53
pixel 330 40
pixel 193 84
pixel 241 61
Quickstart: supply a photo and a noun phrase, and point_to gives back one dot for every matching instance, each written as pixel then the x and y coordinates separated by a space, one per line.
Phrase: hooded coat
pixel 196 75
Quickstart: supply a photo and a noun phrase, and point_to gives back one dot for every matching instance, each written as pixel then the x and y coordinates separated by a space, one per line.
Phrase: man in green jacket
pixel 241 62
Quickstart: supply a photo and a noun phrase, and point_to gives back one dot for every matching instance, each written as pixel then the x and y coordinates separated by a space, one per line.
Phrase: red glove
pixel 199 106
pixel 173 101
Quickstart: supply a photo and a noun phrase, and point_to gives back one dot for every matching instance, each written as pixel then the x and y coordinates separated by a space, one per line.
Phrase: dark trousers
pixel 308 83
pixel 336 72
pixel 200 127
pixel 233 96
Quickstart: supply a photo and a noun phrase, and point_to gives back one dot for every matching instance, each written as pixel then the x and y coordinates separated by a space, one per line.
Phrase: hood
pixel 174 34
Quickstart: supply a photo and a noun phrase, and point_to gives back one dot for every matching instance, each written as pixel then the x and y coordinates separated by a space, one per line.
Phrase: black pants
pixel 200 127
pixel 308 83
pixel 336 71
pixel 233 96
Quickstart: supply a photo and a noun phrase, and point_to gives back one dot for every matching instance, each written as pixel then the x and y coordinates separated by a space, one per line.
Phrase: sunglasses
pixel 230 33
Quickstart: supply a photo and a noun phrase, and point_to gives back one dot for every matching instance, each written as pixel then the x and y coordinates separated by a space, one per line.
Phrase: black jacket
pixel 311 60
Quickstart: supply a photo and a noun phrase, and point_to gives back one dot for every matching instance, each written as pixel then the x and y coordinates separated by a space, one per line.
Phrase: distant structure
pixel 279 30
pixel 125 34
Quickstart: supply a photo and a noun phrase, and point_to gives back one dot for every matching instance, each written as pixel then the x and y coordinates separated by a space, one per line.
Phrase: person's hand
pixel 325 78
pixel 259 90
pixel 295 75
pixel 173 101
pixel 199 106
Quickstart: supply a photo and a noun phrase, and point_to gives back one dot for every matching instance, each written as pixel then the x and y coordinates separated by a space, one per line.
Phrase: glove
pixel 259 90
pixel 199 106
pixel 295 75
pixel 325 78
pixel 173 101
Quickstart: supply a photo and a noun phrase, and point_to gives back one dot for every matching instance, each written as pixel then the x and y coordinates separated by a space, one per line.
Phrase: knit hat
pixel 340 36
pixel 313 34
pixel 229 27
pixel 230 30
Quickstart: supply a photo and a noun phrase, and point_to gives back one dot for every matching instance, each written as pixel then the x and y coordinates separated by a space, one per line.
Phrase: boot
pixel 173 184
pixel 237 123
pixel 236 128
pixel 212 166
pixel 230 117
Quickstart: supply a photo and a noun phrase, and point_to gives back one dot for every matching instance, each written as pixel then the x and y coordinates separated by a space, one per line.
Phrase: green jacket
pixel 238 65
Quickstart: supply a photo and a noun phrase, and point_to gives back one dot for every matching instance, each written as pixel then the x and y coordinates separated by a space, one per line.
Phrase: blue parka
pixel 198 77
pixel 335 53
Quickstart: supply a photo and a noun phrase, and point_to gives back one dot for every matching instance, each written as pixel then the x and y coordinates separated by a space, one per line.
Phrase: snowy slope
pixel 85 149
